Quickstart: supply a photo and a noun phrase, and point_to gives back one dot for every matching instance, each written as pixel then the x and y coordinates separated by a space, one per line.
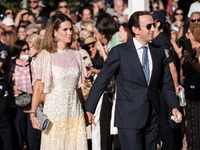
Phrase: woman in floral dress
pixel 59 72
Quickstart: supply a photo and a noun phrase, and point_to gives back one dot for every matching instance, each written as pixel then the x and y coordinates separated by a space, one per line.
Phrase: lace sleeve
pixel 42 70
pixel 82 69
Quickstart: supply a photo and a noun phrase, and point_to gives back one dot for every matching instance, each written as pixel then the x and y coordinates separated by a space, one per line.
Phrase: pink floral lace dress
pixel 62 72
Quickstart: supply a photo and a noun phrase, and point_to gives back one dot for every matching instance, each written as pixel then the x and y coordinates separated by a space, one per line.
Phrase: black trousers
pixel 107 140
pixel 24 132
pixel 5 128
pixel 105 117
pixel 141 139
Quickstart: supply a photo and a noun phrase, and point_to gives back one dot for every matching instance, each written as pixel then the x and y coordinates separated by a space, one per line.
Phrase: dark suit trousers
pixel 141 139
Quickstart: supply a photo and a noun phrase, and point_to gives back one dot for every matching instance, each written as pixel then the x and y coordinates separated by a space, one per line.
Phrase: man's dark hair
pixel 106 25
pixel 134 20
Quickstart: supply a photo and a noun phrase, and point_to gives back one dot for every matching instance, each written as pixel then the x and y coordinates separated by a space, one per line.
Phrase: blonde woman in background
pixel 8 38
pixel 87 29
pixel 34 42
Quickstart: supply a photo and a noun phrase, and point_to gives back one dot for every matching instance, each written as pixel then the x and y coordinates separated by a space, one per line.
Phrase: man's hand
pixel 177 115
pixel 91 118
pixel 178 89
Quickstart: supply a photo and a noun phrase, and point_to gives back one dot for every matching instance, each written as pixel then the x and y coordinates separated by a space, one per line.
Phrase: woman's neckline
pixel 62 51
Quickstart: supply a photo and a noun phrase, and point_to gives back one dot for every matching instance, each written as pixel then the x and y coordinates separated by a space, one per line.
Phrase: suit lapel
pixel 135 63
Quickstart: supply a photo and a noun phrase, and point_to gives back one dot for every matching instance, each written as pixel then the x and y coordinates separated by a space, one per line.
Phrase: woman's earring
pixel 55 38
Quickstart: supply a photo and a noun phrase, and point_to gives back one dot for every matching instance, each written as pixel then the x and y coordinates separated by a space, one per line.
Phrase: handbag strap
pixel 30 70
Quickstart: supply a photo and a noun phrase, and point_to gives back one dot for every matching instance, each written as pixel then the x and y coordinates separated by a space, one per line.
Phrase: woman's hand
pixel 89 73
pixel 103 51
pixel 17 90
pixel 34 121
pixel 101 48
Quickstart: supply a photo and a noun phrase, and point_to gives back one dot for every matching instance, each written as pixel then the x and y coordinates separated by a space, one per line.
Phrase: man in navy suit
pixel 141 71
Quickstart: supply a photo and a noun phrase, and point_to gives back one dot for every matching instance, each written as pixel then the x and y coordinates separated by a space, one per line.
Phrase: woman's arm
pixel 175 78
pixel 38 90
pixel 177 49
pixel 181 70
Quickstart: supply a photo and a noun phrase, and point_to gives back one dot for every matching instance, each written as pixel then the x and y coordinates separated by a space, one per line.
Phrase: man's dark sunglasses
pixel 149 26
pixel 194 20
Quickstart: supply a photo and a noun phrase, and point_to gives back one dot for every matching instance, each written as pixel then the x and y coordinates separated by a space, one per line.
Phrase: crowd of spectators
pixel 97 29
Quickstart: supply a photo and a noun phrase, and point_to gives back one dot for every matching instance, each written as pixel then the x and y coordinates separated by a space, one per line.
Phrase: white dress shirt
pixel 139 51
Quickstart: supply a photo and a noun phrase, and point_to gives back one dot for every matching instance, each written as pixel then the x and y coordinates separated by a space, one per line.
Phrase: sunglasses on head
pixel 25 49
pixel 33 1
pixel 195 19
pixel 63 6
pixel 178 13
pixel 149 26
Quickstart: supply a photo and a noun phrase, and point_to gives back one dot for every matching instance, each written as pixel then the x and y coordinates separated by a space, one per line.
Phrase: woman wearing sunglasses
pixel 178 19
pixel 19 82
pixel 63 7
pixel 9 13
pixel 190 77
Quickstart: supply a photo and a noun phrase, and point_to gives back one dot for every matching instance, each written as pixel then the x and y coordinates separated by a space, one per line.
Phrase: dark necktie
pixel 145 63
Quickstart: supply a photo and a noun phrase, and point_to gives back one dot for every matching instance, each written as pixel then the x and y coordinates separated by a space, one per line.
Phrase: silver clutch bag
pixel 43 120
